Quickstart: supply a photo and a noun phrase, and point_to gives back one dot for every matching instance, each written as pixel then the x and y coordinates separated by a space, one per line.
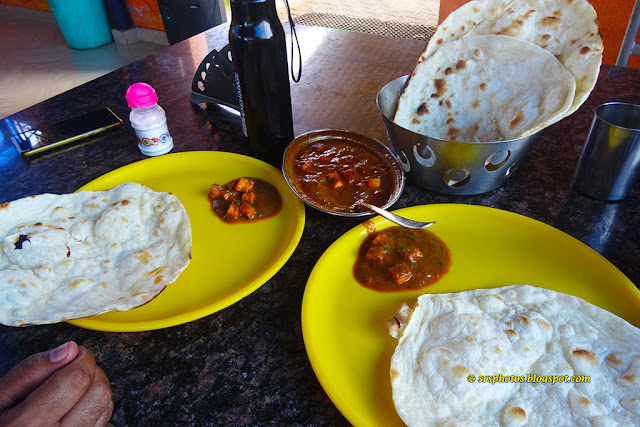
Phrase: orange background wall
pixel 613 17
pixel 144 13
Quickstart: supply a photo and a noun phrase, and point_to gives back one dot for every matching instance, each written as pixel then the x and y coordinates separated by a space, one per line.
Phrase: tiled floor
pixel 41 65
pixel 37 63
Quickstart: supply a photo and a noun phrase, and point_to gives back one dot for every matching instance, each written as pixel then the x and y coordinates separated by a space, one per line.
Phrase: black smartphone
pixel 45 137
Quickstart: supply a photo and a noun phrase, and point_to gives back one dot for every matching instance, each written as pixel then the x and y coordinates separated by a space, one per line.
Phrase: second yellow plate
pixel 229 261
pixel 344 324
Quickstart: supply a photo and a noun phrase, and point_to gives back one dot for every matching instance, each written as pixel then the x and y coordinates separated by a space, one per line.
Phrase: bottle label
pixel 241 104
pixel 155 139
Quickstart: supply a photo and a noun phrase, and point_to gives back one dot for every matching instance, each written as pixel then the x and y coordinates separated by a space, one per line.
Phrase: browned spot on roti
pixel 529 13
pixel 22 285
pixel 497 349
pixel 512 333
pixel 104 284
pixel 453 132
pixel 550 21
pixel 633 379
pixel 440 103
pixel 440 85
pixel 78 282
pixel 461 65
pixel 44 267
pixel 612 359
pixel 512 125
pixel 158 279
pixel 422 109
pixel 394 374
pixel 125 202
pixel 585 355
pixel 38 224
pixel 415 121
pixel 584 401
pixel 161 221
pixel 91 206
pixel 447 103
pixel 584 50
pixel 462 28
pixel 460 371
pixel 475 104
pixel 448 71
pixel 483 86
pixel 439 41
pixel 544 324
pixel 444 350
pixel 155 233
pixel 517 413
pixel 4 205
pixel 143 256
pixel 450 120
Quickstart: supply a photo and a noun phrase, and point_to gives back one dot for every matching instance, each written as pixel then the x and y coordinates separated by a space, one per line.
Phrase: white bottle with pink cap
pixel 148 120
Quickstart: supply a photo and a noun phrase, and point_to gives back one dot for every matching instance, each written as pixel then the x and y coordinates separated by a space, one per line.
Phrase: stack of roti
pixel 497 70
pixel 76 255
pixel 515 331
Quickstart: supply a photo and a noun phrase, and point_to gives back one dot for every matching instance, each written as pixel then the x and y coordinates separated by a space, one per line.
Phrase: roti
pixel 485 88
pixel 568 29
pixel 76 255
pixel 450 355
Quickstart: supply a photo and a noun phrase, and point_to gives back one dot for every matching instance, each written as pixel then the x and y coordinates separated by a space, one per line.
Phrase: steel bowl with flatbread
pixel 76 255
pixel 451 342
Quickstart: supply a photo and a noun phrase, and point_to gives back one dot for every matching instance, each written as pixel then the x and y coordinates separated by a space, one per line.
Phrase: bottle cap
pixel 141 95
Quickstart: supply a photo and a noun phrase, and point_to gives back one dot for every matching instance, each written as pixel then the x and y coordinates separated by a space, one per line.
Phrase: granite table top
pixel 247 364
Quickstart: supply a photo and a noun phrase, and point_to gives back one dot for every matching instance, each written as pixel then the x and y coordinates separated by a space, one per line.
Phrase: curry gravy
pixel 400 259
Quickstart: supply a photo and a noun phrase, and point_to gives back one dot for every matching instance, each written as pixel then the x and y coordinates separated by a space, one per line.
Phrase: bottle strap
pixel 294 35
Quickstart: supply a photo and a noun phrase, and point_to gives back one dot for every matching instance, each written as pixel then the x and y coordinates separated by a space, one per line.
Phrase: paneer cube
pixel 249 197
pixel 374 182
pixel 376 252
pixel 216 191
pixel 400 273
pixel 380 239
pixel 306 166
pixel 335 180
pixel 351 176
pixel 233 211
pixel 244 184
pixel 413 255
pixel 248 210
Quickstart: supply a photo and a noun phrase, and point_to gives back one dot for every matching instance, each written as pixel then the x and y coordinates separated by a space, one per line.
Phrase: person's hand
pixel 63 386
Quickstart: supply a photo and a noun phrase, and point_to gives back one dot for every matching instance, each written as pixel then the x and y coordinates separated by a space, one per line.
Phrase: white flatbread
pixel 566 28
pixel 515 330
pixel 75 255
pixel 485 88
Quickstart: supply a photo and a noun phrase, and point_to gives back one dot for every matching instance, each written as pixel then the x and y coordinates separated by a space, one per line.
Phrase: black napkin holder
pixel 214 81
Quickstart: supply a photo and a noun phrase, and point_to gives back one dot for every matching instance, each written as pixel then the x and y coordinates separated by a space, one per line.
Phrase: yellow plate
pixel 229 261
pixel 344 324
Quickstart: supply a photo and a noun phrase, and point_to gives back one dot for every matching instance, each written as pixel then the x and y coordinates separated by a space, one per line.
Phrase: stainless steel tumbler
pixel 610 159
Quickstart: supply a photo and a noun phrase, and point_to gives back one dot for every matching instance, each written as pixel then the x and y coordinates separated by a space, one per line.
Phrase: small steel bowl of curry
pixel 334 170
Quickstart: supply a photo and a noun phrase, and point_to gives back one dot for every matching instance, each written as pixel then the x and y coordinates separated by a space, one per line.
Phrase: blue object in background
pixel 84 24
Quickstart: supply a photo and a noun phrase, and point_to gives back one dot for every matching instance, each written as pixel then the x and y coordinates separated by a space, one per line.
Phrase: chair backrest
pixel 629 46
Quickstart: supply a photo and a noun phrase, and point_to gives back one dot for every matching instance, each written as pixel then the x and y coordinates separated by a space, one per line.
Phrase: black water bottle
pixel 258 47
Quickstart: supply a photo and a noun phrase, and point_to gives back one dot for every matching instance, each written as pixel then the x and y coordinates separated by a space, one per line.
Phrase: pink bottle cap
pixel 141 95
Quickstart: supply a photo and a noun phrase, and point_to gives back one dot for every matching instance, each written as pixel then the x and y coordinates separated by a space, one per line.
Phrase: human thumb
pixel 29 374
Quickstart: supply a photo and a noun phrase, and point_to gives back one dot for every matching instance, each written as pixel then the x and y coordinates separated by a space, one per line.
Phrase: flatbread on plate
pixel 76 255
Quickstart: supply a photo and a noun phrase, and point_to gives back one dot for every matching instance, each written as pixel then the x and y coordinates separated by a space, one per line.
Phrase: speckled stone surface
pixel 247 365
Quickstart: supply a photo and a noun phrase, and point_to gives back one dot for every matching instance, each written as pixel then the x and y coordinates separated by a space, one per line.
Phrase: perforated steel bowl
pixel 449 167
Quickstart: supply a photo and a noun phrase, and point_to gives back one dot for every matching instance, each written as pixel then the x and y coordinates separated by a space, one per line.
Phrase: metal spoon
pixel 405 222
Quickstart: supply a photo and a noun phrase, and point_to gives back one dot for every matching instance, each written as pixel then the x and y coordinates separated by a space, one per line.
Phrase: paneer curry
pixel 245 199
pixel 400 259
pixel 337 174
